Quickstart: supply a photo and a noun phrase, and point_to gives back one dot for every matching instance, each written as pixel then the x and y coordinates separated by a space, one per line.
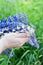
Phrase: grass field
pixel 26 55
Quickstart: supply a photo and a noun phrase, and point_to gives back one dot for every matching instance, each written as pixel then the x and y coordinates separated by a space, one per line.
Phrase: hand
pixel 12 40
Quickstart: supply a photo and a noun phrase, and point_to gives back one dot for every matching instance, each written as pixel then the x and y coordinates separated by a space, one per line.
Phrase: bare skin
pixel 12 40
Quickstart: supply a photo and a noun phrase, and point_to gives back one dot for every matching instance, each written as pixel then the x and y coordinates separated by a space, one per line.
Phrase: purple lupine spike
pixel 11 53
pixel 10 29
pixel 25 18
pixel 4 20
pixel 19 17
pixel 32 41
pixel 22 18
pixel 0 24
pixel 7 51
pixel 15 18
pixel 10 19
pixel 32 38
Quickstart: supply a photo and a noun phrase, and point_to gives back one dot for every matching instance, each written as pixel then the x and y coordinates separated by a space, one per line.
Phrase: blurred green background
pixel 26 55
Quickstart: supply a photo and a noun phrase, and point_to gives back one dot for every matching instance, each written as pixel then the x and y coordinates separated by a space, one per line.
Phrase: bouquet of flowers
pixel 18 23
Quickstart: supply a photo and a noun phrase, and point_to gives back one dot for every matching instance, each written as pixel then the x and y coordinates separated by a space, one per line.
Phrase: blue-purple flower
pixel 32 41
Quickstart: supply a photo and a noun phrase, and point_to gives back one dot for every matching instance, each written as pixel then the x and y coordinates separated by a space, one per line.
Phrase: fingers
pixel 21 41
pixel 13 40
pixel 16 35
pixel 17 42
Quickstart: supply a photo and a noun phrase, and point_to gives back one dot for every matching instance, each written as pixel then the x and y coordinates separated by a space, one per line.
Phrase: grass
pixel 26 55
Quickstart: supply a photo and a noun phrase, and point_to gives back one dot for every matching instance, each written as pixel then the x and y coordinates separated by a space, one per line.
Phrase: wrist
pixel 1 46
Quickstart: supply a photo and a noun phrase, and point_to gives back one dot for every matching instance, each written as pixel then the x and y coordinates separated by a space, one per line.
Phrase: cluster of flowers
pixel 18 22
pixel 13 23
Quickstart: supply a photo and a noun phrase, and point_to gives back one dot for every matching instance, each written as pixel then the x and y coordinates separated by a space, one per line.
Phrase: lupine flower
pixel 15 18
pixel 11 53
pixel 4 20
pixel 7 51
pixel 32 41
